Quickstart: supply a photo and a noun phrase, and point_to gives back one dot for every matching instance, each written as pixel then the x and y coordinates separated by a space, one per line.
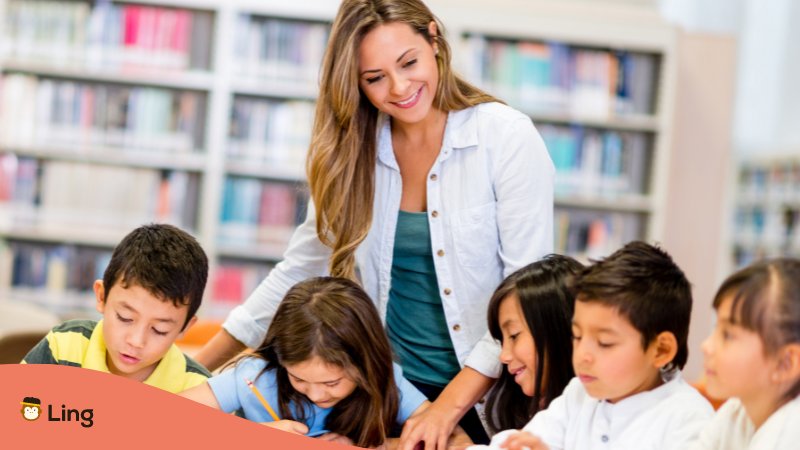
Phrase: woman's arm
pixel 219 350
pixel 523 179
pixel 435 424
pixel 247 324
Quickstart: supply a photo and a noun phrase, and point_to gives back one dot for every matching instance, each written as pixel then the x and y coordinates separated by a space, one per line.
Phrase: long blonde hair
pixel 342 155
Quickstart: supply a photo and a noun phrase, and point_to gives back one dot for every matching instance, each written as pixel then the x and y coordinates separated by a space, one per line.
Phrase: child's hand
pixel 291 426
pixel 335 437
pixel 523 441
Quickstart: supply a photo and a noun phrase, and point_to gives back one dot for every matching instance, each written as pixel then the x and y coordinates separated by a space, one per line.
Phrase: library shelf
pixel 134 76
pixel 113 156
pixel 219 83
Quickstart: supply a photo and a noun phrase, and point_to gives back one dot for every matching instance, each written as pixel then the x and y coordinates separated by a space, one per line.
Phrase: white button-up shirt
pixel 732 429
pixel 490 211
pixel 667 417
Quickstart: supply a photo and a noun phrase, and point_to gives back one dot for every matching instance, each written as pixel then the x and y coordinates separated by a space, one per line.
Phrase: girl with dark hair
pixel 530 315
pixel 753 358
pixel 325 366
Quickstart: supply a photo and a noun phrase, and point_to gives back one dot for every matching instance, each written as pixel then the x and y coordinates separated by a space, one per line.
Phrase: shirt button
pixel 604 438
pixel 434 177
pixel 456 327
pixel 447 291
pixel 435 214
pixel 440 252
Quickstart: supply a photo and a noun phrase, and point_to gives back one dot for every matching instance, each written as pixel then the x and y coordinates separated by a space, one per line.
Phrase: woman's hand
pixel 291 426
pixel 523 441
pixel 431 426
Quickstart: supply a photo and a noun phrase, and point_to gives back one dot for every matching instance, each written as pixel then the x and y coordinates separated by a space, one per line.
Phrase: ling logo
pixel 31 408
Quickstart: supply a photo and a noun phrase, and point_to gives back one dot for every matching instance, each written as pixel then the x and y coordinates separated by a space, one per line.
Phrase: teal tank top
pixel 415 318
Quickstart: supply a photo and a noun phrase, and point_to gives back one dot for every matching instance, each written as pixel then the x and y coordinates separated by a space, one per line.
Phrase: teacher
pixel 427 190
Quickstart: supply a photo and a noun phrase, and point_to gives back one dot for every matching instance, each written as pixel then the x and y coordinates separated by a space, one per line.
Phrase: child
pixel 629 330
pixel 148 296
pixel 530 315
pixel 753 355
pixel 325 365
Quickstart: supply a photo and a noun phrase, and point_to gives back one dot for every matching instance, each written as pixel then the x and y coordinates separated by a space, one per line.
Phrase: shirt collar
pixel 168 375
pixel 636 404
pixel 461 131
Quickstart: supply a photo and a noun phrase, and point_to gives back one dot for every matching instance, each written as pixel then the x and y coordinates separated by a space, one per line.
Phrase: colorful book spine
pixel 108 34
pixel 555 77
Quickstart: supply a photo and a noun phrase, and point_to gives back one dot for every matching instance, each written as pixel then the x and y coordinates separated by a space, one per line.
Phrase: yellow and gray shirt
pixel 80 343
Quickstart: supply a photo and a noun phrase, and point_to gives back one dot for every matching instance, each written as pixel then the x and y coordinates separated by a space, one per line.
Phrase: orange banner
pixel 48 406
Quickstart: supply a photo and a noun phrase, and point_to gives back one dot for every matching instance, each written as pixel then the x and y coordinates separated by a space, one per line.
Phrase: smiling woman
pixel 434 189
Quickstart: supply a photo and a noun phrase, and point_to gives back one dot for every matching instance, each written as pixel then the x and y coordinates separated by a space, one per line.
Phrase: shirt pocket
pixel 475 235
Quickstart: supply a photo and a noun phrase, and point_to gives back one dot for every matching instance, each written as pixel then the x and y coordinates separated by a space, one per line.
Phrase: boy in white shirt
pixel 630 329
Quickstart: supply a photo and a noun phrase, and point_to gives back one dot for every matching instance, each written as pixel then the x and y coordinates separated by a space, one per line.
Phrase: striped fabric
pixel 80 343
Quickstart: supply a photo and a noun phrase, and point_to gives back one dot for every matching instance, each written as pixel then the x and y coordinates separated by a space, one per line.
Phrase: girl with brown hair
pixel 325 364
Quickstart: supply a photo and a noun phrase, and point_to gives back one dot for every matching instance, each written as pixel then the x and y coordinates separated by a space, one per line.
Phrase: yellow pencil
pixel 262 400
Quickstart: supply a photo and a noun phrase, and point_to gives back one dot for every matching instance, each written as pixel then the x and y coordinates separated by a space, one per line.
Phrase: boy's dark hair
pixel 163 259
pixel 766 300
pixel 547 306
pixel 644 285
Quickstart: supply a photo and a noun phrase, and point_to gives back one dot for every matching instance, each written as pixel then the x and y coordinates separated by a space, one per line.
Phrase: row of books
pixel 271 132
pixel 55 267
pixel 557 77
pixel 767 217
pixel 280 49
pixel 594 234
pixel 71 194
pixel 19 180
pixel 61 276
pixel 777 182
pixel 231 283
pixel 257 211
pixel 592 162
pixel 767 223
pixel 43 111
pixel 106 34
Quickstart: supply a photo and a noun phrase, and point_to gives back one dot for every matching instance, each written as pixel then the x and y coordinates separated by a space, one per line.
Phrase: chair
pixel 700 385
pixel 14 346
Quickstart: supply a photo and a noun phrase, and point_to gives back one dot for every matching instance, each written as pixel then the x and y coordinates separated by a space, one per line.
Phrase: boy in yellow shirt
pixel 148 296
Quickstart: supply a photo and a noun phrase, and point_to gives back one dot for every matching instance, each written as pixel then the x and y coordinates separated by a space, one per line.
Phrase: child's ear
pixel 788 367
pixel 100 295
pixel 188 325
pixel 666 347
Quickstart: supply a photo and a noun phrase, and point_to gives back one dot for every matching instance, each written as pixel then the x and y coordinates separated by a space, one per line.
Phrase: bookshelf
pixel 597 79
pixel 207 109
pixel 767 209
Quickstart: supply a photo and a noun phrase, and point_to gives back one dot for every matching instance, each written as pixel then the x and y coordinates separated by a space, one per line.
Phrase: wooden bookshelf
pixel 241 99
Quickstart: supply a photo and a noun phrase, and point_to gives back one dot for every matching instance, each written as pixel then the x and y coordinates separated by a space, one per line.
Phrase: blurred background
pixel 673 121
